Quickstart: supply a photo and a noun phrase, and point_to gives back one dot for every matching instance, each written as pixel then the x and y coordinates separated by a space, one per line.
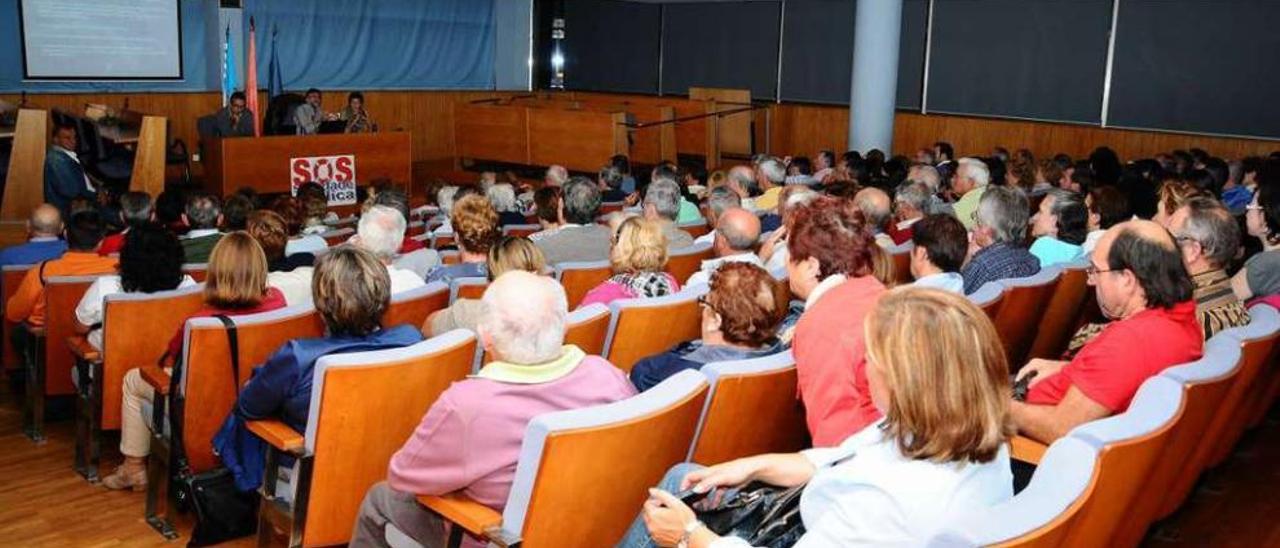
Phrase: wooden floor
pixel 44 503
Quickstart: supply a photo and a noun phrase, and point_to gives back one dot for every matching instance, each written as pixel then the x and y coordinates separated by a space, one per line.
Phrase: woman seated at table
pixel 638 255
pixel 355 115
pixel 235 284
pixel 939 376
pixel 740 315
pixel 150 261
pixel 512 253
pixel 351 290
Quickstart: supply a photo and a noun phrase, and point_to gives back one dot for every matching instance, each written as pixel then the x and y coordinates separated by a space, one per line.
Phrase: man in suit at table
pixel 234 120
pixel 64 176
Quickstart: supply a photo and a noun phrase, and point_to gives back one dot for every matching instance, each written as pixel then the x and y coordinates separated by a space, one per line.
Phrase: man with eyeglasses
pixel 997 240
pixel 1208 237
pixel 1141 284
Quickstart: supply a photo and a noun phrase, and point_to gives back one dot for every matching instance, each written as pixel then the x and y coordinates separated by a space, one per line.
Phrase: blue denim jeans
pixel 638 535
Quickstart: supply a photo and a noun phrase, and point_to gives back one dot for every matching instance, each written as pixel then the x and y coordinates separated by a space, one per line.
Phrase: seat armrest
pixel 278 434
pixel 80 347
pixel 1027 450
pixel 35 330
pixel 475 518
pixel 156 377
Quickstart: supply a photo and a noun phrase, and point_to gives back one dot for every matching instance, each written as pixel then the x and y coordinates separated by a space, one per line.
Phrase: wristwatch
pixel 689 528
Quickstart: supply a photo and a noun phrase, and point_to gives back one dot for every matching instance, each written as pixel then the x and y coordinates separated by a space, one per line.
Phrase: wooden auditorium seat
pixel 1205 383
pixel 364 405
pixel 584 474
pixel 338 236
pixel 1023 306
pixel 415 228
pixel 48 361
pixel 413 306
pixel 10 278
pixel 989 297
pixel 612 207
pixel 136 328
pixel 521 230
pixel 203 384
pixel 900 255
pixel 1042 514
pixel 451 256
pixel 588 328
pixel 579 278
pixel 643 327
pixel 467 288
pixel 441 240
pixel 752 409
pixel 1257 343
pixel 682 263
pixel 197 271
pixel 697 229
pixel 1062 314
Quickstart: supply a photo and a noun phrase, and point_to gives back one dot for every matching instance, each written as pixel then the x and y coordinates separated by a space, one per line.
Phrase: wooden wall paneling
pixel 24 187
pixel 148 163
pixel 578 139
pixel 691 135
pixel 264 162
pixel 491 132
pixel 735 129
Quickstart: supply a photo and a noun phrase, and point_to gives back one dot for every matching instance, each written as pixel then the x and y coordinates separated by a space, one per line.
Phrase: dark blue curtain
pixel 377 44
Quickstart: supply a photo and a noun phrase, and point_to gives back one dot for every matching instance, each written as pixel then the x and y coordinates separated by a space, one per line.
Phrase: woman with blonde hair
pixel 235 284
pixel 938 374
pixel 1171 195
pixel 510 254
pixel 638 255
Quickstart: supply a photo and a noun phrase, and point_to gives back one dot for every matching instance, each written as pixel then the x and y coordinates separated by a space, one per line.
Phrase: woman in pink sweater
pixel 638 255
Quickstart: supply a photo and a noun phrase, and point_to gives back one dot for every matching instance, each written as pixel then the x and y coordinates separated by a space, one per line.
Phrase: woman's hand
pixel 730 474
pixel 666 517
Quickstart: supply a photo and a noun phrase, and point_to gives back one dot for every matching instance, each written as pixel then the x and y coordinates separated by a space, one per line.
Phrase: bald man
pixel 43 243
pixel 1141 284
pixel 877 209
pixel 737 231
pixel 742 180
pixel 469 440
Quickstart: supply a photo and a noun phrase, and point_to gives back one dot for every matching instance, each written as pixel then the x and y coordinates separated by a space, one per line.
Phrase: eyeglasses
pixel 1093 271
pixel 704 301
pixel 1253 207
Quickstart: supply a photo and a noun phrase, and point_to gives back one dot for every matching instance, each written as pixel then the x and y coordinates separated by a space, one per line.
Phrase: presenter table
pixel 267 163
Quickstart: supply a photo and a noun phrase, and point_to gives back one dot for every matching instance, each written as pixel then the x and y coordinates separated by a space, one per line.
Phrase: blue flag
pixel 275 82
pixel 228 68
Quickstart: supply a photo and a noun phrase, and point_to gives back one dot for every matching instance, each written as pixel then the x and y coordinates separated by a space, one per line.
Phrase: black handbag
pixel 222 511
pixel 762 514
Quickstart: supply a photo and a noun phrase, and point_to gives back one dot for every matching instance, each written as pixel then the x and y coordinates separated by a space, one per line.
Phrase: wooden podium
pixel 264 163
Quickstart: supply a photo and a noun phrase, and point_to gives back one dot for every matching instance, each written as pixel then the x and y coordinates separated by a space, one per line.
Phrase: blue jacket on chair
pixel 281 388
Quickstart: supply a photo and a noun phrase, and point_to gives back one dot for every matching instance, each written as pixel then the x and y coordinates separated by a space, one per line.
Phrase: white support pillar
pixel 874 92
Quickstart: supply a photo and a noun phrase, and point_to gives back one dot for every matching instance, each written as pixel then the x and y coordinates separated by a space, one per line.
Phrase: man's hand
pixel 1043 369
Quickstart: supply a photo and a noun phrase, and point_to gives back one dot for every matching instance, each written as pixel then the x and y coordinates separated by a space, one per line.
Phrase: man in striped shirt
pixel 1208 237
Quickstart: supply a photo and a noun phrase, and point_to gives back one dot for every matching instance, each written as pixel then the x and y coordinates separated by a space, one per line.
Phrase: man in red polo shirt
pixel 1143 287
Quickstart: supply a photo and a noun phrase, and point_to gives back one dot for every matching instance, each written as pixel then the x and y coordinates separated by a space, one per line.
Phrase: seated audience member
pixel 533 373
pixel 1172 194
pixel 379 232
pixel 637 258
pixel 235 212
pixel 291 274
pixel 233 120
pixel 928 176
pixel 687 212
pixel 736 233
pixel 81 259
pixel 1000 226
pixel 661 205
pixel 742 180
pixel 64 176
pixel 1022 171
pixel 289 209
pixel 1143 287
pixel 315 207
pixel 611 184
pixel 830 268
pixel 940 246
pixel 1107 207
pixel 351 291
pixel 413 254
pixel 1260 276
pixel 910 204
pixel 1059 228
pixel 1048 175
pixel 44 242
pixel 135 210
pixel 740 316
pixel 549 207
pixel 503 198
pixel 824 163
pixel 1208 237
pixel 556 175
pixel 773 251
pixel 475 228
pixel 356 117
pixel 970 184
pixel 903 478
pixel 169 208
pixel 876 210
pixel 580 238
pixel 1242 184
pixel 203 216
pixel 444 200
pixel 800 172
pixel 236 284
pixel 150 261
pixel 508 255
pixel 771 174
pixel 719 200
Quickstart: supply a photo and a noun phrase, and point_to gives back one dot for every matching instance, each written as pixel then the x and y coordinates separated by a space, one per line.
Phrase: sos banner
pixel 337 174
